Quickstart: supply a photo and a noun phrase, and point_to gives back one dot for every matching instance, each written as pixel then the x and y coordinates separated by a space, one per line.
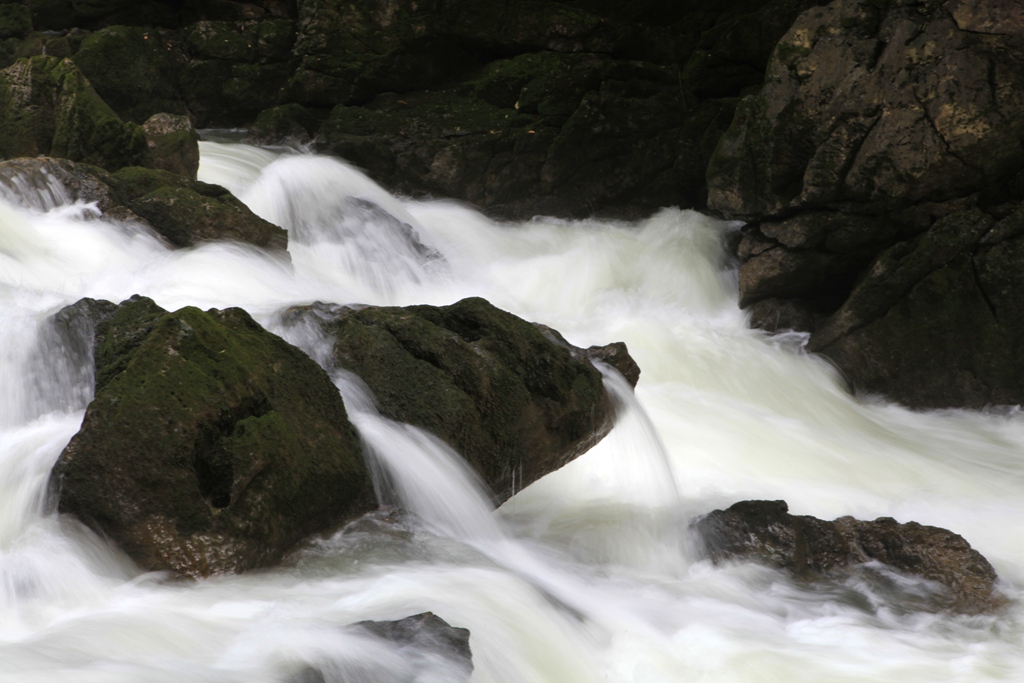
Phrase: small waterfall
pixel 337 215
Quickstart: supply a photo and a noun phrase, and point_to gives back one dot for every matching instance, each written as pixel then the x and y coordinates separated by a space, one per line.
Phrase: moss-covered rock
pixel 15 21
pixel 135 70
pixel 516 403
pixel 47 106
pixel 287 124
pixel 534 134
pixel 187 212
pixel 172 144
pixel 211 445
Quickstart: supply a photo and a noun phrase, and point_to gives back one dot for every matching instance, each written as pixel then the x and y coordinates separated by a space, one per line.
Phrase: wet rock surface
pixel 883 132
pixel 183 212
pixel 430 648
pixel 809 548
pixel 513 403
pixel 211 445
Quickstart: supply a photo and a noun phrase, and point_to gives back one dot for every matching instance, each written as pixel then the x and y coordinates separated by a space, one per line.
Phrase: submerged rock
pixel 211 445
pixel 811 548
pixel 515 404
pixel 426 632
pixel 429 647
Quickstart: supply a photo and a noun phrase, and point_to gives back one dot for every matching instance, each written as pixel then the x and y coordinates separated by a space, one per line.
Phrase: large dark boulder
pixel 907 103
pixel 938 322
pixel 515 402
pixel 887 131
pixel 211 445
pixel 810 548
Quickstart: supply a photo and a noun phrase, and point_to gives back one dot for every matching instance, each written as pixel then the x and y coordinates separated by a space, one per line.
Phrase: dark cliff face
pixel 880 166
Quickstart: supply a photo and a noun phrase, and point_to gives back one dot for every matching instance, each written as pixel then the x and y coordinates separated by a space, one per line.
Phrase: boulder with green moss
pixel 136 70
pixel 47 106
pixel 514 400
pixel 187 212
pixel 211 445
pixel 172 144
pixel 183 212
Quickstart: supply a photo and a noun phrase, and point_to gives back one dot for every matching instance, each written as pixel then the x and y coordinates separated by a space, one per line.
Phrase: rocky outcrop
pixel 183 212
pixel 810 548
pixel 512 401
pixel 937 322
pixel 878 123
pixel 211 445
pixel 47 107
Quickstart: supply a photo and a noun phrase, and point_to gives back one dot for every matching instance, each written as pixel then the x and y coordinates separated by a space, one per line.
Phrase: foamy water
pixel 587 575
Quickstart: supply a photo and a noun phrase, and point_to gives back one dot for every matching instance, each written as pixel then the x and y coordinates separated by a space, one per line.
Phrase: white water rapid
pixel 587 575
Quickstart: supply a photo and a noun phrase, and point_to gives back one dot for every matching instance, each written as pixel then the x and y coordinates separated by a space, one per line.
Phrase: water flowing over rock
pixel 811 548
pixel 431 647
pixel 515 403
pixel 211 445
pixel 184 212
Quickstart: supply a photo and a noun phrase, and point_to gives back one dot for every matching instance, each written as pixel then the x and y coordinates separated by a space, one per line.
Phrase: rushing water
pixel 587 575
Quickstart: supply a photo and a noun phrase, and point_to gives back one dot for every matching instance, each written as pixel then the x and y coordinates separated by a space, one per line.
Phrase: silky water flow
pixel 587 575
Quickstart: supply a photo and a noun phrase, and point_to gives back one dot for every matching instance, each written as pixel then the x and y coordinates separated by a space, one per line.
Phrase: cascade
pixel 586 575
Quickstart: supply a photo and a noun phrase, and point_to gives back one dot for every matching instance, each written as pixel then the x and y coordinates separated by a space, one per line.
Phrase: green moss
pixel 486 382
pixel 211 445
pixel 15 21
pixel 233 41
pixel 135 70
pixel 48 107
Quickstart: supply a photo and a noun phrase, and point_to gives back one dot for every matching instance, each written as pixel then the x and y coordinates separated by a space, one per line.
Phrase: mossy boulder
pixel 135 70
pixel 813 549
pixel 287 124
pixel 187 212
pixel 172 144
pixel 537 134
pixel 48 107
pixel 515 402
pixel 184 212
pixel 211 445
